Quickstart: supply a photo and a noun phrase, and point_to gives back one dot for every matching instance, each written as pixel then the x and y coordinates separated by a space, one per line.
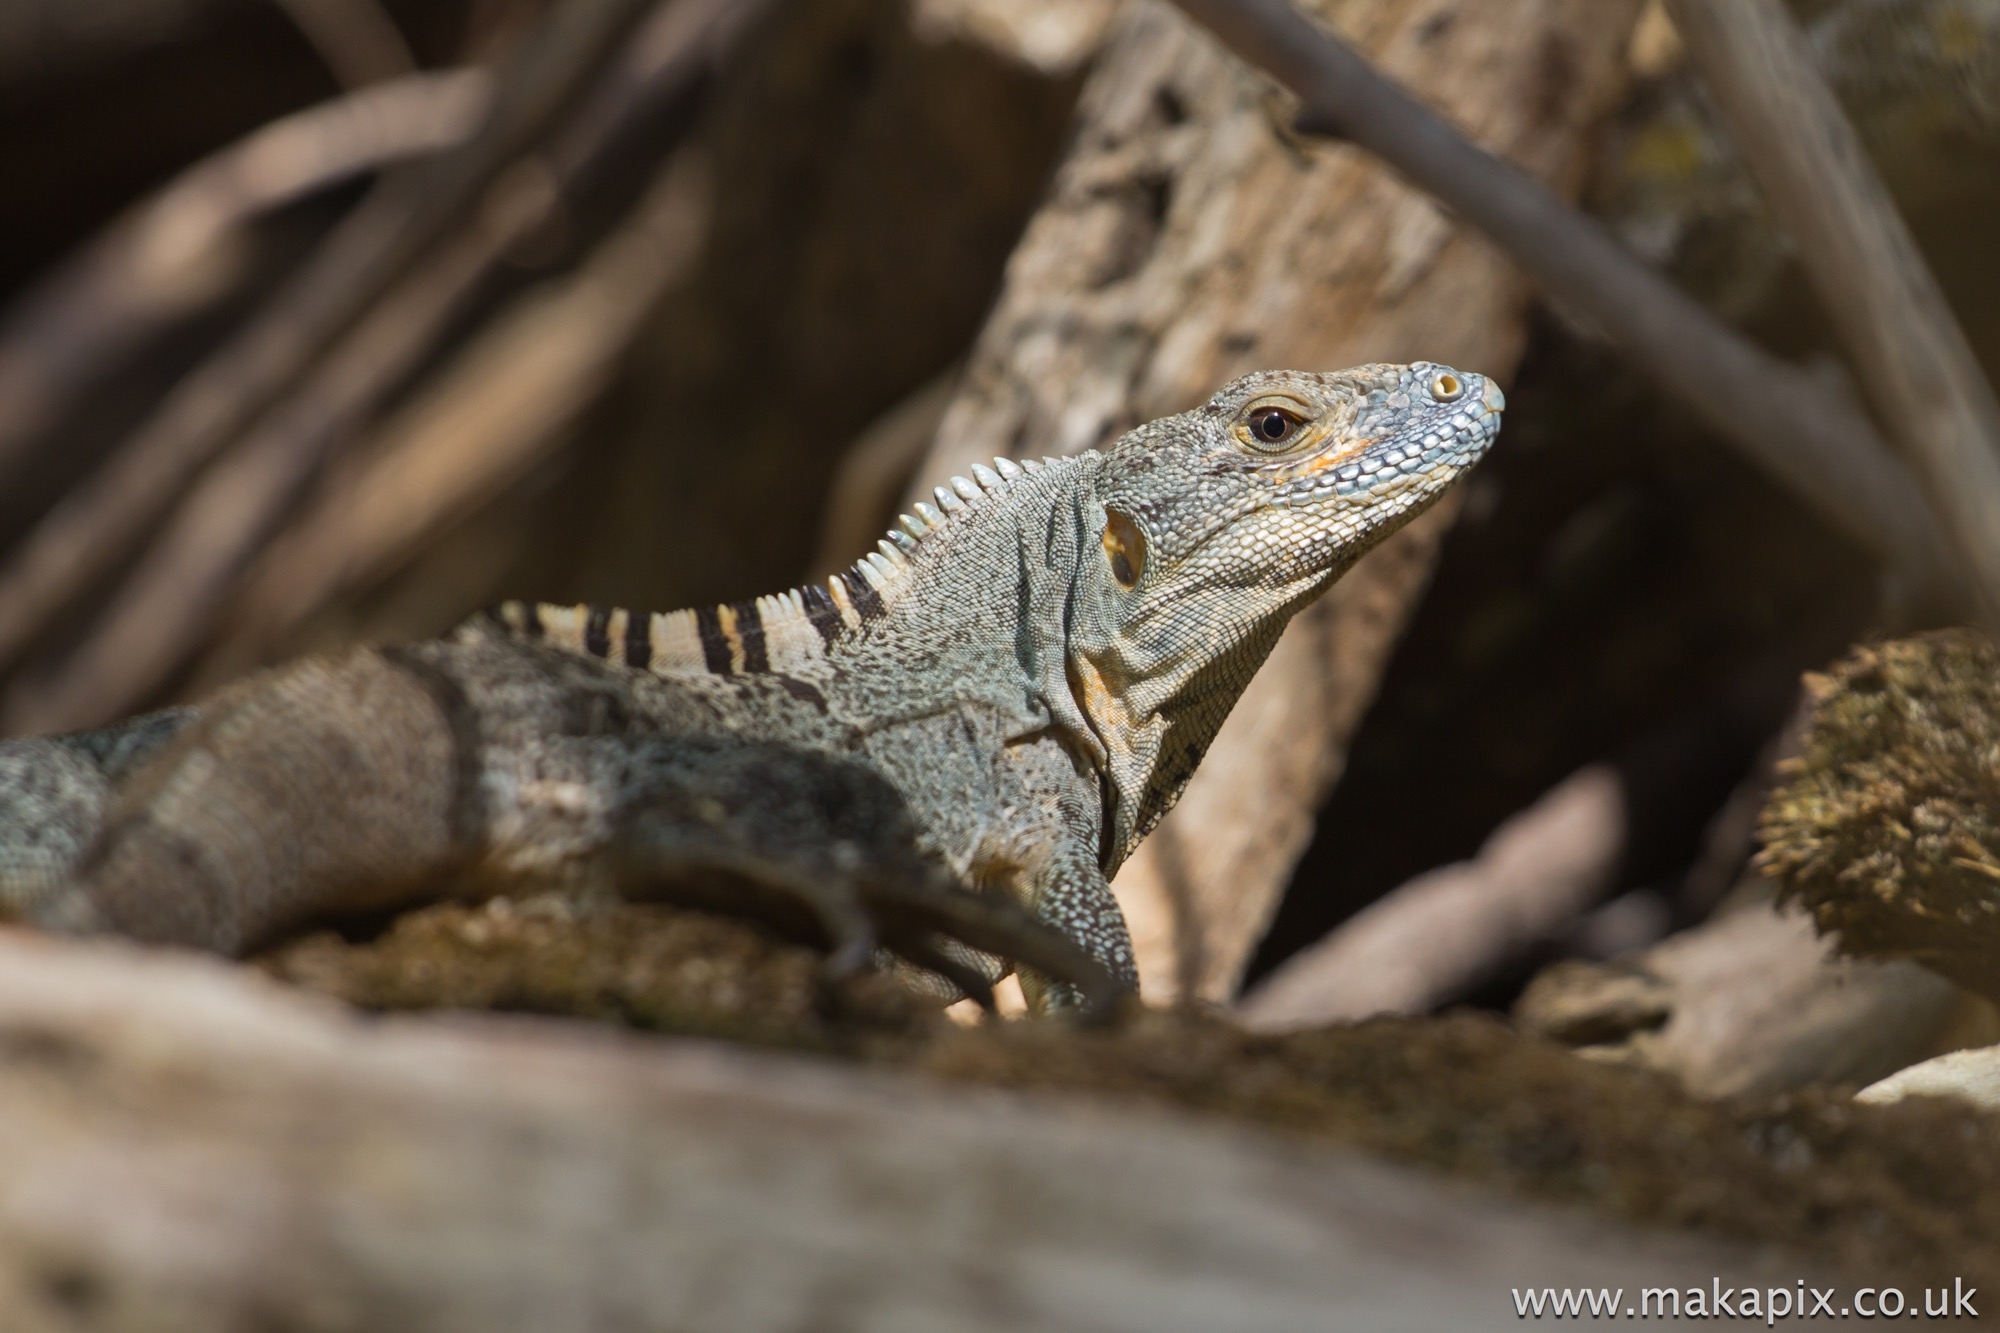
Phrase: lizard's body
pixel 1015 687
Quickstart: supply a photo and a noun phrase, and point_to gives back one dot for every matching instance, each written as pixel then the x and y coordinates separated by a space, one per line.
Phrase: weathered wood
pixel 1188 237
pixel 1053 36
pixel 1430 939
pixel 1752 1004
pixel 1971 1075
pixel 190 1148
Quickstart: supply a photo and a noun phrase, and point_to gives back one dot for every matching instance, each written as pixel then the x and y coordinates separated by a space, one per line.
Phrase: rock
pixel 1972 1076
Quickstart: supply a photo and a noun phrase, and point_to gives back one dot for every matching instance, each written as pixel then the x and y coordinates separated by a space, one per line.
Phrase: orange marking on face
pixel 1335 457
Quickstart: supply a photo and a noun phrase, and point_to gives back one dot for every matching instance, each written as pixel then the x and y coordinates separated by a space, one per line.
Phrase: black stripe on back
pixel 638 639
pixel 597 632
pixel 862 593
pixel 750 633
pixel 714 643
pixel 823 614
pixel 531 620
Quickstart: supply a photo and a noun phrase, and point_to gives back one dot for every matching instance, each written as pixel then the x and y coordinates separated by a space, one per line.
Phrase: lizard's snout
pixel 1495 400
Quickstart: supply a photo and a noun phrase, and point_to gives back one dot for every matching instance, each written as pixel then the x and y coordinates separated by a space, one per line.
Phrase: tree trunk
pixel 1191 236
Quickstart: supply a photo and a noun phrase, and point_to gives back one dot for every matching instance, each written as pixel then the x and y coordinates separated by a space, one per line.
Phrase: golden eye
pixel 1274 425
pixel 1124 547
pixel 1446 386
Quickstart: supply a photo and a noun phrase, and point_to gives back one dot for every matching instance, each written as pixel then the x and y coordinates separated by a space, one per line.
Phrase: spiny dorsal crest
pixel 789 633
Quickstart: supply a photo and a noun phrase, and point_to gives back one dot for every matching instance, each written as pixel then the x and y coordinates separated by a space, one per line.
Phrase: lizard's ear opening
pixel 1124 547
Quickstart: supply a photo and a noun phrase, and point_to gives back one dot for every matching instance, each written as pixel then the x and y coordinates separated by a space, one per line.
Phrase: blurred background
pixel 337 320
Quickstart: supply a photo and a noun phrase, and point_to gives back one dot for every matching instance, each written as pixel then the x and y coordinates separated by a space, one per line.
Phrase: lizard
pixel 1004 697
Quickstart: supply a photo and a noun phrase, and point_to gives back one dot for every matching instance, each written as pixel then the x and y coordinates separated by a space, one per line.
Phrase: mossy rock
pixel 1886 827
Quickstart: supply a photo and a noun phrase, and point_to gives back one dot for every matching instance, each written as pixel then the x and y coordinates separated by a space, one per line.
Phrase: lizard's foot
pixel 825 849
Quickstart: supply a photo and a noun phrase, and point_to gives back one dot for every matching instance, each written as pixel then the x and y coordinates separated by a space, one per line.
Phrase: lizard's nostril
pixel 1495 400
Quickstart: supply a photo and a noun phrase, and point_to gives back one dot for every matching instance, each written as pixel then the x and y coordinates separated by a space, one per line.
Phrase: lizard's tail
pixel 332 785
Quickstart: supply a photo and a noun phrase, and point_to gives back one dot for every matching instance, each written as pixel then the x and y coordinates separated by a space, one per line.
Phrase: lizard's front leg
pixel 1044 854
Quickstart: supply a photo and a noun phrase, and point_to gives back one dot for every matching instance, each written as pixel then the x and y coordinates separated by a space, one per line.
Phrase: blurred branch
pixel 161 616
pixel 98 525
pixel 167 257
pixel 358 40
pixel 875 472
pixel 1782 419
pixel 1429 940
pixel 490 416
pixel 1750 1005
pixel 43 38
pixel 1906 348
pixel 1444 933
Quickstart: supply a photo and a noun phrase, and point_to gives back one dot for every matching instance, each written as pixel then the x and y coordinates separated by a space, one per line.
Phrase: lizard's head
pixel 1220 523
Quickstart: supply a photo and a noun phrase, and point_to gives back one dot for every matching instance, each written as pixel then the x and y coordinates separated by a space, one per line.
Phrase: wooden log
pixel 1188 237
pixel 189 1147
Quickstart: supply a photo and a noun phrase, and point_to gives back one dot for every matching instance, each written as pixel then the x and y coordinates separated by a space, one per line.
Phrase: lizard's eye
pixel 1446 386
pixel 1270 426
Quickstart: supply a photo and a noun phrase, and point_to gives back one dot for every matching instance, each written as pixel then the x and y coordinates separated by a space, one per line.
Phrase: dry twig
pixel 99 524
pixel 1425 942
pixel 164 613
pixel 356 38
pixel 488 418
pixel 1906 349
pixel 166 258
pixel 1782 419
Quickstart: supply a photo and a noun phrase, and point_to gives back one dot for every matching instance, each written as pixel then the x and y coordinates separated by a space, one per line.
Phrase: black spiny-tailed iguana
pixel 1007 695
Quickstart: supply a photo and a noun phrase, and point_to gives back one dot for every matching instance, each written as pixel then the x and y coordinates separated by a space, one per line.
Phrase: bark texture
pixel 1191 236
pixel 189 1148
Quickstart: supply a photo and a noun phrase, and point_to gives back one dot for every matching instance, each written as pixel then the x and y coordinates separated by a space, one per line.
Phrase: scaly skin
pixel 1009 695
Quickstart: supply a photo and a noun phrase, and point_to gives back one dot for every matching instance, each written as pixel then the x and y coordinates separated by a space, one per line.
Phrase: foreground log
pixel 189 1148
pixel 1189 237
